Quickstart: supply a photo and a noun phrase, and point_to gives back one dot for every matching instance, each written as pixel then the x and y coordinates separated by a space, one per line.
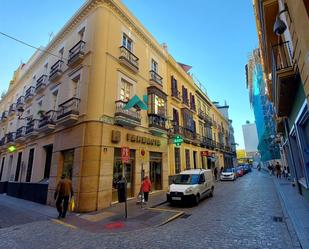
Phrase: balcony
pixel 12 109
pixel 188 135
pixel 128 59
pixel 20 102
pixel 285 80
pixel 47 122
pixel 2 141
pixel 4 116
pixel 155 78
pixel 207 142
pixel 56 71
pixel 32 128
pixel 76 54
pixel 130 118
pixel 29 93
pixel 68 112
pixel 201 114
pixel 157 124
pixel 20 134
pixel 176 94
pixel 185 101
pixel 41 83
pixel 208 120
pixel 10 138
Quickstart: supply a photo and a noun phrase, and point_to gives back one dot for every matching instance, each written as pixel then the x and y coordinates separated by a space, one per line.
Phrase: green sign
pixel 11 148
pixel 177 140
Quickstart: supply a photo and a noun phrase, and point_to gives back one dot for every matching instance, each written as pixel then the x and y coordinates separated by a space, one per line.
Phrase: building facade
pixel 263 109
pixel 107 101
pixel 250 139
pixel 282 27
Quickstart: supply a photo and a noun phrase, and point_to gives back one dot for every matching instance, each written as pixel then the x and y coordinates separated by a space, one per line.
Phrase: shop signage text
pixel 143 140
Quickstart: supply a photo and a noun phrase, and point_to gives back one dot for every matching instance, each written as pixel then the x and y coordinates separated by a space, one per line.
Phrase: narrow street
pixel 240 215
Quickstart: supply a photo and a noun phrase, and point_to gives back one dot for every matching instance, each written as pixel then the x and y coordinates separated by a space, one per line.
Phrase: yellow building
pixel 76 110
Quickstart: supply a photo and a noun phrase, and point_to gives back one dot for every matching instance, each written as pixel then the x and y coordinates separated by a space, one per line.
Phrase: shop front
pixel 147 157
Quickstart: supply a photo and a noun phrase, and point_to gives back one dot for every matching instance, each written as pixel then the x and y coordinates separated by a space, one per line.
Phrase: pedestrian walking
pixel 221 170
pixel 216 173
pixel 64 191
pixel 278 170
pixel 146 188
pixel 285 172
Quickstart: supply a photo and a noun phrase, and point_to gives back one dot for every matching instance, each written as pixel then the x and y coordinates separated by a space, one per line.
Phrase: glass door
pixel 123 170
pixel 155 170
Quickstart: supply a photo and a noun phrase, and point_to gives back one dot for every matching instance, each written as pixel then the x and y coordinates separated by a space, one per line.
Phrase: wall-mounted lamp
pixel 279 25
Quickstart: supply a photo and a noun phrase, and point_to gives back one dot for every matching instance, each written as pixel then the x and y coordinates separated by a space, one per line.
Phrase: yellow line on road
pixel 163 209
pixel 64 224
pixel 172 218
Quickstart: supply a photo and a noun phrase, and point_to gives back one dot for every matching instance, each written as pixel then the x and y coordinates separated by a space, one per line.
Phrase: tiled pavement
pixel 240 215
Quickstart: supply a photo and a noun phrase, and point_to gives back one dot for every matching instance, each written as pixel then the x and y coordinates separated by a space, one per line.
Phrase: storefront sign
pixel 125 154
pixel 177 140
pixel 143 140
pixel 205 153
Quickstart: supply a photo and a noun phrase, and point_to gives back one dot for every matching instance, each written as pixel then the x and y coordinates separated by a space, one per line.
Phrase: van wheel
pixel 196 200
pixel 211 192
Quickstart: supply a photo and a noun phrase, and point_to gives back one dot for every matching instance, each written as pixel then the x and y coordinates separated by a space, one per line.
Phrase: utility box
pixel 122 190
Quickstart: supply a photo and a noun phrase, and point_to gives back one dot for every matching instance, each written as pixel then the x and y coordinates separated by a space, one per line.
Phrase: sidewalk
pixel 296 208
pixel 109 220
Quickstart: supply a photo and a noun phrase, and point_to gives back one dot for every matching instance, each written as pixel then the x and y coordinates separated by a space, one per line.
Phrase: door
pixel 194 159
pixel 123 170
pixel 18 167
pixel 155 170
pixel 48 159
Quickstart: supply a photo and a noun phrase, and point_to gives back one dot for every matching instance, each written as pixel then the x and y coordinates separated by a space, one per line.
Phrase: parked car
pixel 190 186
pixel 228 174
pixel 247 168
pixel 240 171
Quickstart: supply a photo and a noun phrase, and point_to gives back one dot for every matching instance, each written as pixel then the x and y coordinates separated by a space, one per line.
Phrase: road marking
pixel 172 218
pixel 64 224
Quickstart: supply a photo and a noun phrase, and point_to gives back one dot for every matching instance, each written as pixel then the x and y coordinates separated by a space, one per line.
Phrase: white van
pixel 191 185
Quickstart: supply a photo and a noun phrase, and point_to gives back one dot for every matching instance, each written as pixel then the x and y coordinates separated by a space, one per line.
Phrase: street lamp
pixel 279 25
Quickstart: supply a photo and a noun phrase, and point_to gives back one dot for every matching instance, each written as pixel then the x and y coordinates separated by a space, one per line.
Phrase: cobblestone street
pixel 240 215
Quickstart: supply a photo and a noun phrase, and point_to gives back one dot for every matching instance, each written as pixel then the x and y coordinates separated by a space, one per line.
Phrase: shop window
pixel 177 160
pixel 125 90
pixel 68 160
pixel 187 158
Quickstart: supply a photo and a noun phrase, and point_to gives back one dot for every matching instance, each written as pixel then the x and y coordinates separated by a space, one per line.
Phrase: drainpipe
pixel 287 131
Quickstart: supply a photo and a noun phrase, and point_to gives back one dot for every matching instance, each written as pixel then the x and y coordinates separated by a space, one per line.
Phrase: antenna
pixel 50 35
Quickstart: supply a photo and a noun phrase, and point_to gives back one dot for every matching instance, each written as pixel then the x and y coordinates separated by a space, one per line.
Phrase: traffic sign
pixel 125 154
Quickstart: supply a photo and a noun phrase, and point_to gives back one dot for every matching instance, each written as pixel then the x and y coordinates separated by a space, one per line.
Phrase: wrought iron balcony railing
pixel 41 82
pixel 20 132
pixel 10 137
pixel 128 56
pixel 32 125
pixel 157 121
pixel 176 93
pixel 47 118
pixel 131 113
pixel 56 68
pixel 76 52
pixel 29 93
pixel 154 76
pixel 68 107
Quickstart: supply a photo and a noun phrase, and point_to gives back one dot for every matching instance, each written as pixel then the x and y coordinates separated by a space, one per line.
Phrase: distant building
pixel 229 158
pixel 263 109
pixel 250 139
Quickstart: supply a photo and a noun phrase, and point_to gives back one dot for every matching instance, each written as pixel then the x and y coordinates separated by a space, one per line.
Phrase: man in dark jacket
pixel 63 193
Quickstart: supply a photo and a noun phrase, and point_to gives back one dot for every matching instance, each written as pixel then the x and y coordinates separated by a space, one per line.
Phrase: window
pixel 81 34
pixel 198 105
pixel 154 66
pixel 61 51
pixel 125 90
pixel 174 83
pixel 30 163
pixel 201 128
pixel 185 95
pixel 159 105
pixel 75 86
pixel 187 159
pixel 68 159
pixel 54 100
pixel 175 117
pixel 127 42
pixel 177 160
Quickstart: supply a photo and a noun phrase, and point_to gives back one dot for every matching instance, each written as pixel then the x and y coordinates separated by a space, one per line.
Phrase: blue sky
pixel 213 38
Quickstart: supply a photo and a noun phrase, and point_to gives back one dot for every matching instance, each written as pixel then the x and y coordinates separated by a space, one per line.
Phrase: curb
pixel 171 219
pixel 289 223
